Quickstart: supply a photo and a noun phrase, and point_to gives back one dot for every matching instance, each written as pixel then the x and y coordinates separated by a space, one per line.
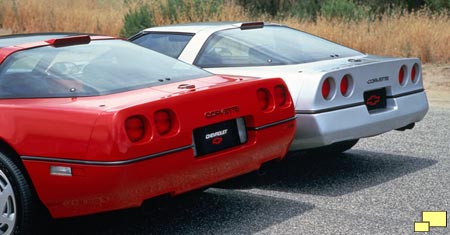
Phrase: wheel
pixel 334 149
pixel 16 199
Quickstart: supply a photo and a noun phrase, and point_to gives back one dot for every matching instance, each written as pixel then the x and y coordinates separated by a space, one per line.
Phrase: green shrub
pixel 201 10
pixel 256 7
pixel 341 9
pixel 172 9
pixel 204 9
pixel 346 9
pixel 306 9
pixel 438 5
pixel 136 20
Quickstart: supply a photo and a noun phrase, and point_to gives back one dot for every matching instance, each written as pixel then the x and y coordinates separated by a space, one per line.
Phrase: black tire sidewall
pixel 22 193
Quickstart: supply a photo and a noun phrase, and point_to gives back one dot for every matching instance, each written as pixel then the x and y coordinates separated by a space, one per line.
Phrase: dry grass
pixel 416 34
pixel 94 16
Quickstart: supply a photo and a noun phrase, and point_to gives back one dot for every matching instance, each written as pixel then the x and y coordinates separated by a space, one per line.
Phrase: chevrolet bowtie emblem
pixel 373 100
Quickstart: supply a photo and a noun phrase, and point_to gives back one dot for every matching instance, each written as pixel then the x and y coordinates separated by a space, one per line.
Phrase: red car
pixel 95 123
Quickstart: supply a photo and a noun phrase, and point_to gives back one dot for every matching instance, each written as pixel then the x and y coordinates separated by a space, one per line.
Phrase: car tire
pixel 16 199
pixel 334 149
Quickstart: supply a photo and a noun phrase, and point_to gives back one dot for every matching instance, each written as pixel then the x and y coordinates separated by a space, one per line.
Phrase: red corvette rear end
pixel 88 139
pixel 140 146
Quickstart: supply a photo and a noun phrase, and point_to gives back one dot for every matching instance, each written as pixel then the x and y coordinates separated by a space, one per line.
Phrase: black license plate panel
pixel 216 137
pixel 375 99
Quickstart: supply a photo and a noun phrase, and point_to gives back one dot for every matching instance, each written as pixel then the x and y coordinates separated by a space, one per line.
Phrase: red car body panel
pixel 102 188
pixel 111 173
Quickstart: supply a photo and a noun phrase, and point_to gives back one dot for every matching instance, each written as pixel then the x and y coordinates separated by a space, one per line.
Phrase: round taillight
pixel 326 88
pixel 135 128
pixel 263 96
pixel 280 95
pixel 163 121
pixel 344 85
pixel 414 72
pixel 401 75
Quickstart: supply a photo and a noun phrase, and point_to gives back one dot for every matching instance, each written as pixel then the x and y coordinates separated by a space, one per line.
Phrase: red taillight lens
pixel 344 85
pixel 135 128
pixel 414 72
pixel 263 98
pixel 163 121
pixel 401 75
pixel 326 88
pixel 280 95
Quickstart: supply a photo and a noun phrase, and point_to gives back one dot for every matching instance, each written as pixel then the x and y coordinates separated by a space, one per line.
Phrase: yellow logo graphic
pixel 431 219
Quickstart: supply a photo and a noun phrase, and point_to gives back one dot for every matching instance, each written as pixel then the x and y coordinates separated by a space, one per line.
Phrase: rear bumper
pixel 321 129
pixel 96 188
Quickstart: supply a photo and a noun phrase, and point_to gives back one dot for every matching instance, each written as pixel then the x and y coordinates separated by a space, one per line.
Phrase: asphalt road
pixel 381 186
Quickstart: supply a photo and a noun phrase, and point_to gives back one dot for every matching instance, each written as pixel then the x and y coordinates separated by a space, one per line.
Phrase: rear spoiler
pixel 251 25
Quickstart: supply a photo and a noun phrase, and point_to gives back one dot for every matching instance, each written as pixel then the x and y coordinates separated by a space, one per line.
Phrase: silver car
pixel 340 94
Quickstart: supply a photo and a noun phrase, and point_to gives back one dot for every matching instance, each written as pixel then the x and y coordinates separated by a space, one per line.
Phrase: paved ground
pixel 381 186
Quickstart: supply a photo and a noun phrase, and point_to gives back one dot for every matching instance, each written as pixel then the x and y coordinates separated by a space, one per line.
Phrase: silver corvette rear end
pixel 357 98
pixel 340 94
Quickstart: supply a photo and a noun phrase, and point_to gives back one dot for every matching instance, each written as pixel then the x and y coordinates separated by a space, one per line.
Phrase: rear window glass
pixel 270 45
pixel 166 43
pixel 98 68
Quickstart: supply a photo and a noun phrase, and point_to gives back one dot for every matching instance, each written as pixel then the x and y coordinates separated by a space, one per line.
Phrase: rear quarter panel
pixel 43 127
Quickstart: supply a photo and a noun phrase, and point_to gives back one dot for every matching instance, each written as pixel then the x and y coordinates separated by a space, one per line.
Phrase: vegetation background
pixel 417 28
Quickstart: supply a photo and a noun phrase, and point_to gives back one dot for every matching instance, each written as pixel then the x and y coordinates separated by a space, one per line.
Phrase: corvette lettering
pixel 224 111
pixel 380 79
pixel 215 134
pixel 373 100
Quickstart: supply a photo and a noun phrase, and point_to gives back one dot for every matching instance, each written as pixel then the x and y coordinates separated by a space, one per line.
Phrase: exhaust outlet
pixel 266 167
pixel 407 127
